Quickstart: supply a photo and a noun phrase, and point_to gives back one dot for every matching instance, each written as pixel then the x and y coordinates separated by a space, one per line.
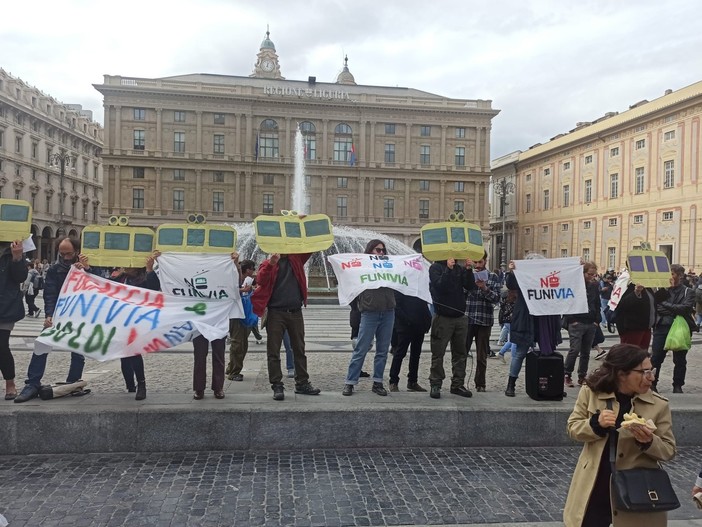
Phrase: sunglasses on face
pixel 380 250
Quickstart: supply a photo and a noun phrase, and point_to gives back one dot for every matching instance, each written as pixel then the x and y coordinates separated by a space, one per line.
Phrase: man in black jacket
pixel 448 283
pixel 13 272
pixel 582 328
pixel 676 300
pixel 69 249
pixel 412 321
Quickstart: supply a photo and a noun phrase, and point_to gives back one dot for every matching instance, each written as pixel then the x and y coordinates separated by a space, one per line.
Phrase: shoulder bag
pixel 639 489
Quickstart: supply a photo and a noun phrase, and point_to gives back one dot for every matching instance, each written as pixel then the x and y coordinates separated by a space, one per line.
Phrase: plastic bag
pixel 679 337
pixel 250 318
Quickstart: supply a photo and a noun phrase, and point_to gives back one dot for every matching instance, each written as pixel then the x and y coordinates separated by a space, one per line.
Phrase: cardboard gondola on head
pixel 196 236
pixel 117 244
pixel 452 239
pixel 62 389
pixel 291 233
pixel 15 220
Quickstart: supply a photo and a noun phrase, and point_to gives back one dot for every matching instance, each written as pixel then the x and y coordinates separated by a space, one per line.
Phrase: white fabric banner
pixel 107 320
pixel 201 275
pixel 619 288
pixel 407 273
pixel 552 286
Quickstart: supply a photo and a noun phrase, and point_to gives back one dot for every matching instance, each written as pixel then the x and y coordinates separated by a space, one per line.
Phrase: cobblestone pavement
pixel 309 488
pixel 329 350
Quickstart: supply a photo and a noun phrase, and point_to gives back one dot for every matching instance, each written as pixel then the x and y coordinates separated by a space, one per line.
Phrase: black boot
pixel 511 382
pixel 141 391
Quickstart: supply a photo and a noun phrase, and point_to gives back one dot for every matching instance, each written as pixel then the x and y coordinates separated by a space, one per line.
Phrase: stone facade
pixel 33 127
pixel 385 158
pixel 606 186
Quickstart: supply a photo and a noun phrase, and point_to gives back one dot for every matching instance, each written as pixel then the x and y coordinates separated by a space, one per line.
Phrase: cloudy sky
pixel 546 64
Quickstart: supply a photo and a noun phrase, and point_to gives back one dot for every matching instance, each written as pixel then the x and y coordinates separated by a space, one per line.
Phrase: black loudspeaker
pixel 544 377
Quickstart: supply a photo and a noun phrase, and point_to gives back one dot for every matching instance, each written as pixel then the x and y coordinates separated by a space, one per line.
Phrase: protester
pixel 201 348
pixel 133 367
pixel 69 254
pixel 448 282
pixel 283 291
pixel 526 329
pixel 676 300
pixel 13 273
pixel 412 321
pixel 480 310
pixel 623 381
pixel 238 329
pixel 377 307
pixel 635 315
pixel 582 328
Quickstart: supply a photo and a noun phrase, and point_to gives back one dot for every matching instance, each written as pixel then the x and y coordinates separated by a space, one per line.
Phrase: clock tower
pixel 267 66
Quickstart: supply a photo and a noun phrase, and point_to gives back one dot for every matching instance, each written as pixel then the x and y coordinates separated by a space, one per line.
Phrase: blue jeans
pixel 518 354
pixel 509 346
pixel 504 332
pixel 581 335
pixel 37 368
pixel 378 324
pixel 289 360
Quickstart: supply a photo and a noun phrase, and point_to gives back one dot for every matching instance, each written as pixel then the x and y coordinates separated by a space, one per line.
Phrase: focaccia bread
pixel 633 419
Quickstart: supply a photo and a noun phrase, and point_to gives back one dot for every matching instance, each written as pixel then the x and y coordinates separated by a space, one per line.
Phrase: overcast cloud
pixel 546 64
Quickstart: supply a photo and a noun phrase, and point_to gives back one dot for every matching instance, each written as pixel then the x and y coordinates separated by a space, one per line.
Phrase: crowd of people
pixel 465 296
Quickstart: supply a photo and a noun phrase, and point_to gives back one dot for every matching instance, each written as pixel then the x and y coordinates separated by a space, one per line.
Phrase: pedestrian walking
pixel 620 385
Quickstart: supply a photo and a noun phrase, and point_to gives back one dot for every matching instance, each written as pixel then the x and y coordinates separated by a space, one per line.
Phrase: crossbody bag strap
pixel 612 443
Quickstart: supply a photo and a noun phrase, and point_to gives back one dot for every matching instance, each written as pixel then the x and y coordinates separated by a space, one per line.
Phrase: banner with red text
pixel 107 320
pixel 407 273
pixel 619 289
pixel 552 286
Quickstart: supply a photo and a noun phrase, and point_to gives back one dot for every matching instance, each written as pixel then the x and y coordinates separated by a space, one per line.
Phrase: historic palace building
pixel 606 186
pixel 385 158
pixel 50 157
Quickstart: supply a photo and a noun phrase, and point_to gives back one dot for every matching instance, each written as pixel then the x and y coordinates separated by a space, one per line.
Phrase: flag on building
pixel 256 149
pixel 352 156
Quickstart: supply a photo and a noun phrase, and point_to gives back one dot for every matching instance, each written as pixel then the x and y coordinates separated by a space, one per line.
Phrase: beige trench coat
pixel 649 405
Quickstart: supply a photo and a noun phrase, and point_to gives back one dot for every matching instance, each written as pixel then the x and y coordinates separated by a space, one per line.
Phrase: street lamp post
pixel 60 159
pixel 502 189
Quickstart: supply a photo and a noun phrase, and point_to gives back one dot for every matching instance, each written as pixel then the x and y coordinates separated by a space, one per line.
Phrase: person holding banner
pixel 282 288
pixel 239 329
pixel 448 282
pixel 13 272
pixel 377 307
pixel 635 314
pixel 676 300
pixel 69 254
pixel 582 328
pixel 133 367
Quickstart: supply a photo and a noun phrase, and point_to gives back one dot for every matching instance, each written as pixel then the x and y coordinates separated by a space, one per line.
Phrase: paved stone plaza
pixel 309 488
pixel 329 487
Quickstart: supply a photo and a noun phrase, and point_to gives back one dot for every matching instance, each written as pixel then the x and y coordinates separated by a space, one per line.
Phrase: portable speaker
pixel 544 377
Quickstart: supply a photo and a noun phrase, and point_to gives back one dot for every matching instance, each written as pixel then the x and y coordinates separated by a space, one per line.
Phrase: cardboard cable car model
pixel 196 236
pixel 452 239
pixel 15 220
pixel 647 267
pixel 117 244
pixel 291 234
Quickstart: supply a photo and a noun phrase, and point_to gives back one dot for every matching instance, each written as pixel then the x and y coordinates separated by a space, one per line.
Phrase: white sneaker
pixel 502 358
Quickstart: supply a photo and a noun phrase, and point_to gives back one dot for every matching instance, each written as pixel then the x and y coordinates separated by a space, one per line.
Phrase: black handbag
pixel 639 489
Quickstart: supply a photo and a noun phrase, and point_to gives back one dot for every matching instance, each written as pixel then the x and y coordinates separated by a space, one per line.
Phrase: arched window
pixel 268 139
pixel 309 139
pixel 343 143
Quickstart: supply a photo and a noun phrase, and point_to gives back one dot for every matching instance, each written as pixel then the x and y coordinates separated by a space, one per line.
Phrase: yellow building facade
pixel 605 187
